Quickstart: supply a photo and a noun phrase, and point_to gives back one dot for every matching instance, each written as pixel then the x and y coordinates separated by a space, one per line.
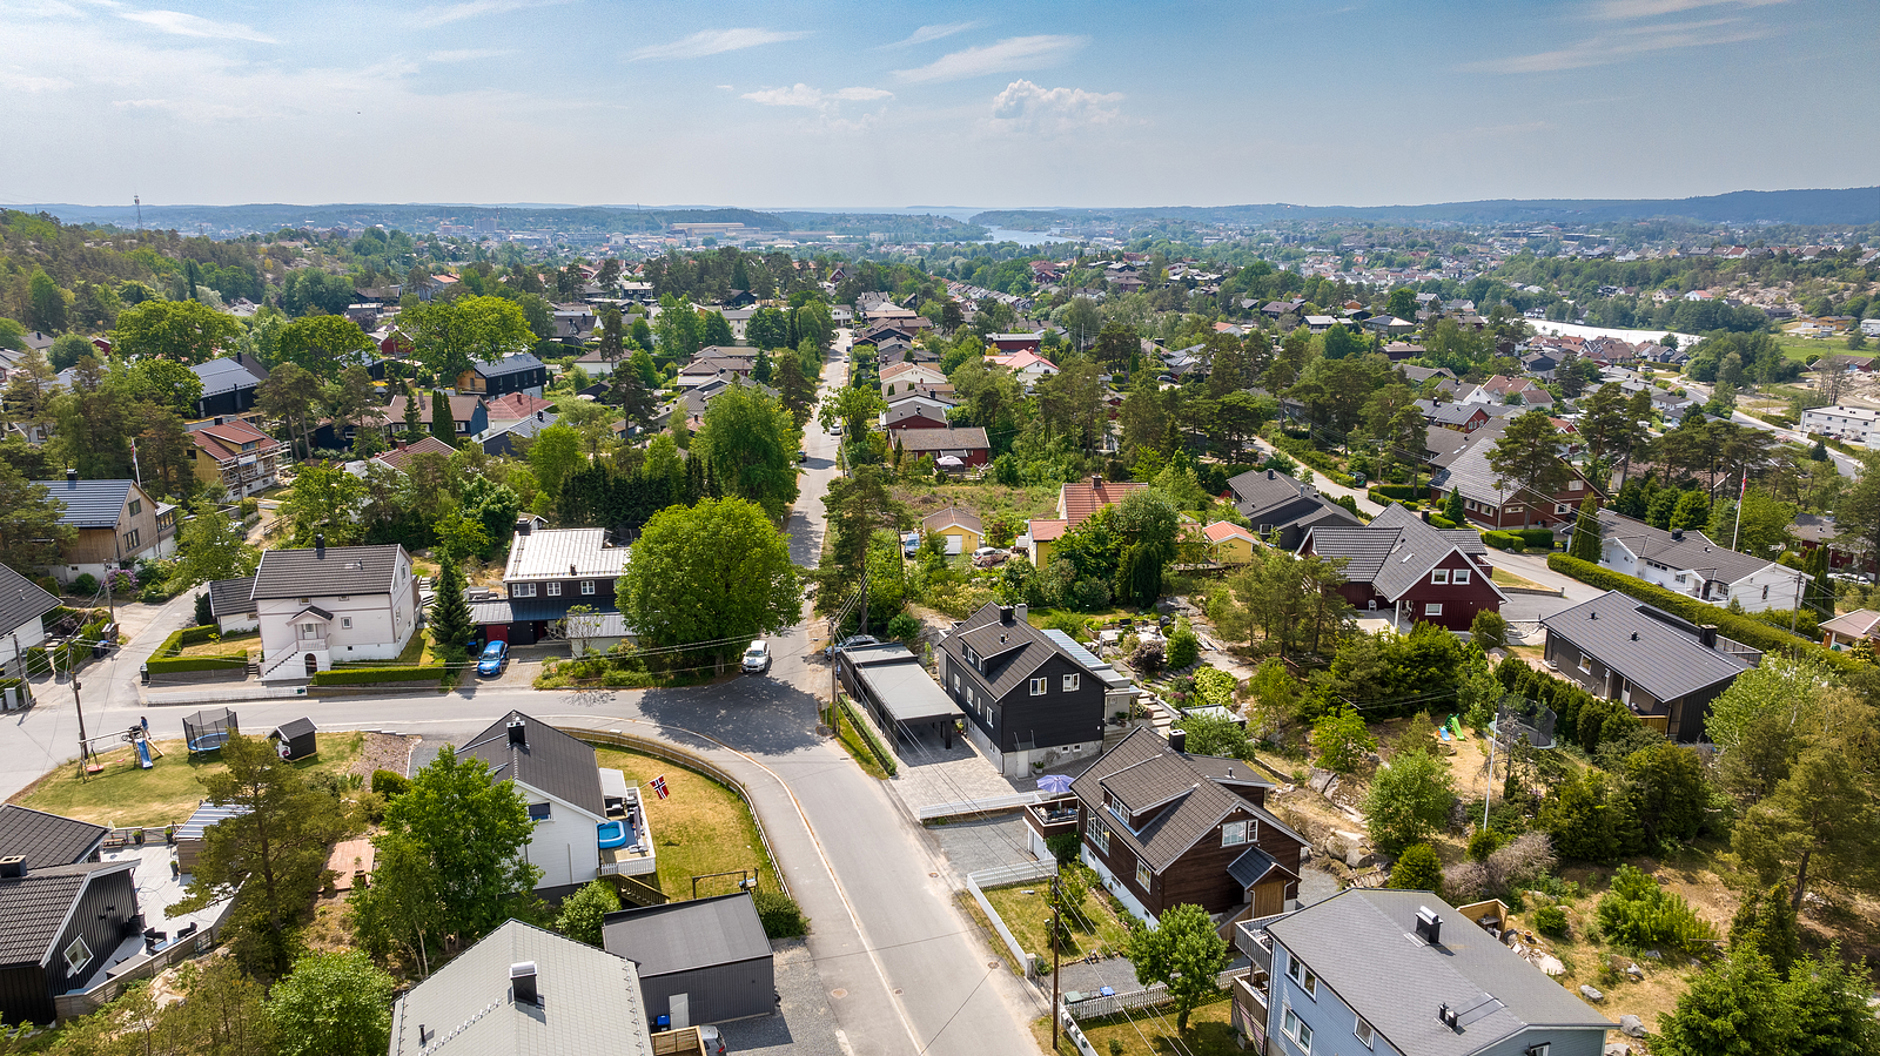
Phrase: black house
pixel 295 740
pixel 1030 696
pixel 229 385
pixel 700 961
pixel 63 915
pixel 521 372
pixel 1282 509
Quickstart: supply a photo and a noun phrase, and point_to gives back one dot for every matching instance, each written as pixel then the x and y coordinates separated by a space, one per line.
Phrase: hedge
pixel 875 747
pixel 165 661
pixel 1751 632
pixel 1303 450
pixel 1529 538
pixel 359 676
pixel 1401 492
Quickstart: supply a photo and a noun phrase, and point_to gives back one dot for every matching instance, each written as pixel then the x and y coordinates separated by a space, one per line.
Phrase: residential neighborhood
pixel 1109 628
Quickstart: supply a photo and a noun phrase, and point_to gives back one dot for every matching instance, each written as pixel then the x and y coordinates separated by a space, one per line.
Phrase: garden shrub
pixel 85 586
pixel 359 676
pixel 781 916
pixel 1184 647
pixel 1638 913
pixel 1551 921
pixel 1063 846
pixel 1214 688
pixel 903 627
pixel 1490 630
pixel 389 783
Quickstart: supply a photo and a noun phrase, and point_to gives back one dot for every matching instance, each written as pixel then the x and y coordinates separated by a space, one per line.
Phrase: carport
pixel 897 691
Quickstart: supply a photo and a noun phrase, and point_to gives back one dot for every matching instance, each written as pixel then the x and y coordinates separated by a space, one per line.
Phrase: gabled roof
pixel 1650 650
pixel 1469 471
pixel 1079 499
pixel 564 553
pixel 224 375
pixel 91 503
pixel 515 364
pixel 683 936
pixel 1010 651
pixel 1222 531
pixel 34 908
pixel 1395 552
pixel 1143 773
pixel 590 1002
pixel 1361 943
pixel 232 597
pixel 952 438
pixel 905 409
pixel 226 440
pixel 950 516
pixel 1692 551
pixel 1861 623
pixel 398 456
pixel 46 840
pixel 515 406
pixel 21 600
pixel 327 572
pixel 548 760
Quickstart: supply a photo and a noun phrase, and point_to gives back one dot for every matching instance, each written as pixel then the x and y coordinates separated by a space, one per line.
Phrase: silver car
pixel 757 658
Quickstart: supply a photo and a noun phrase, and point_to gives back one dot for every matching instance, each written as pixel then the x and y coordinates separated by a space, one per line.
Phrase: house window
pixel 137 507
pixel 1576 484
pixel 1099 836
pixel 1586 664
pixel 345 623
pixel 1297 1030
pixel 77 955
pixel 587 586
pixel 1434 608
pixel 1459 577
pixel 130 539
pixel 1440 575
pixel 523 590
pixel 540 811
pixel 1302 977
pixel 956 681
pixel 554 590
pixel 1364 1032
pixel 1071 682
pixel 1144 878
pixel 1233 834
pixel 1037 686
pixel 309 631
pixel 1562 508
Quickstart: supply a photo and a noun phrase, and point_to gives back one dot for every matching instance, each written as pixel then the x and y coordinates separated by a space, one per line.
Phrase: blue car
pixel 494 656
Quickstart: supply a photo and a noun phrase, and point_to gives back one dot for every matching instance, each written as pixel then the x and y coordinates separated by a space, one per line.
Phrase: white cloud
pixel 714 42
pixel 1026 108
pixel 1605 50
pixel 444 14
pixel 1013 53
pixel 1621 10
pixel 926 34
pixel 803 95
pixel 182 25
pixel 28 84
pixel 467 54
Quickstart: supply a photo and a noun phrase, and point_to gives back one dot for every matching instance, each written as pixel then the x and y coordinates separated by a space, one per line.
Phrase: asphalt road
pixel 904 968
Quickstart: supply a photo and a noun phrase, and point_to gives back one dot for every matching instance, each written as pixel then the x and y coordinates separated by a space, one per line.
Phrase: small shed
pixel 206 730
pixel 295 740
pixel 702 961
pixel 188 835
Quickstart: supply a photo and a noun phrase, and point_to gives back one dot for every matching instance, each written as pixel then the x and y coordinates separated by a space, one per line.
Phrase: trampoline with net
pixel 207 731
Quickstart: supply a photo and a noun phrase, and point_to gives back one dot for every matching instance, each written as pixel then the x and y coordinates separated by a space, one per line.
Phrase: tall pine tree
pixel 449 617
pixel 1586 532
pixel 443 426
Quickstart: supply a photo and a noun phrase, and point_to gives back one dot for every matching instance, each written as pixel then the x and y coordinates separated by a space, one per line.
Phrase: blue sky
pixel 885 104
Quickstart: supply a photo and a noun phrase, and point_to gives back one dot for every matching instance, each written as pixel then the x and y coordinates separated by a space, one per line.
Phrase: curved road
pixel 904 968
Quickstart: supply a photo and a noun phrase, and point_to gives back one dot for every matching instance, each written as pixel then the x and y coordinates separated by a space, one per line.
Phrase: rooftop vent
pixel 319 544
pixel 12 867
pixel 1677 534
pixel 1429 927
pixel 71 476
pixel 572 571
pixel 1450 1017
pixel 522 983
pixel 1270 474
pixel 518 733
pixel 1178 739
pixel 1635 636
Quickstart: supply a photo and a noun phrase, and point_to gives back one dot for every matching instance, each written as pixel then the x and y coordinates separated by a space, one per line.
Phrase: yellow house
pixel 961 529
pixel 1229 543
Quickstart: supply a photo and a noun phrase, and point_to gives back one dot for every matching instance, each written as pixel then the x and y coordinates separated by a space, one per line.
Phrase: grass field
pixel 1026 910
pixel 1509 579
pixel 1017 505
pixel 1151 1032
pixel 231 645
pixel 123 795
pixel 1800 348
pixel 702 827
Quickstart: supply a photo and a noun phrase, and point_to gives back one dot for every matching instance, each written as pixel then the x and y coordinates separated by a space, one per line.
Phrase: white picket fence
pixel 976 883
pixel 1147 997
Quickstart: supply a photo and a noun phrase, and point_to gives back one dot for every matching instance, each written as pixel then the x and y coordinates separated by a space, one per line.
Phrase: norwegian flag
pixel 659 786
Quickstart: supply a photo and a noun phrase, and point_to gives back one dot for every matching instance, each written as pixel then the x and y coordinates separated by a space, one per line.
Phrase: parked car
pixel 757 658
pixel 854 641
pixel 802 455
pixel 494 658
pixel 910 543
pixel 988 556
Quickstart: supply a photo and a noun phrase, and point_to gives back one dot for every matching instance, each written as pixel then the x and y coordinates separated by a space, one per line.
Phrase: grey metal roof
pixel 90 503
pixel 564 553
pixel 598 625
pixel 488 612
pixel 21 600
pixel 682 936
pixel 900 682
pixel 224 375
pixel 46 840
pixel 1468 469
pixel 590 1002
pixel 34 908
pixel 1361 943
pixel 232 597
pixel 206 814
pixel 325 573
pixel 1694 551
pixel 1660 658
pixel 550 761
pixel 515 364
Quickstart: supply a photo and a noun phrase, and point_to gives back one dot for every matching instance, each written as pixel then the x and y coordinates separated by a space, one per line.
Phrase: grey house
pixel 1666 669
pixel 703 961
pixel 1399 973
pixel 1282 509
pixel 524 990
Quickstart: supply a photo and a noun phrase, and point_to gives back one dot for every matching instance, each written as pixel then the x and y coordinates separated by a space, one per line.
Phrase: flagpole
pixel 1742 489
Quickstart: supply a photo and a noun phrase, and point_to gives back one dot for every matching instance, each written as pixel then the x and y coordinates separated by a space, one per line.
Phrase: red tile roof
pixel 226 440
pixel 1085 497
pixel 397 457
pixel 515 407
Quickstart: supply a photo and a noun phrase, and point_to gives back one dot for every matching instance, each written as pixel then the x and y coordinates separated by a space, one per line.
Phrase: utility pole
pixel 1057 907
pixel 83 741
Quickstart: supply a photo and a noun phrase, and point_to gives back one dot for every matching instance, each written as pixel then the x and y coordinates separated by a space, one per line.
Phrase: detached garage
pixel 703 961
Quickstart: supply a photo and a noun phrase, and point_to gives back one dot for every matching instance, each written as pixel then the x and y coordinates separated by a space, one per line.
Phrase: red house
pixel 913 415
pixel 969 445
pixel 1417 573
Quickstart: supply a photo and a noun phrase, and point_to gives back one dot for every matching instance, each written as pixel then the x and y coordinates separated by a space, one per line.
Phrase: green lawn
pixel 122 795
pixel 229 645
pixel 1800 348
pixel 1026 910
pixel 1145 1033
pixel 702 827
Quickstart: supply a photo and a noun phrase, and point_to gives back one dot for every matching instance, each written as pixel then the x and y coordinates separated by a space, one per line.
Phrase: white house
pixel 588 822
pixel 1693 564
pixel 333 604
pixel 1856 425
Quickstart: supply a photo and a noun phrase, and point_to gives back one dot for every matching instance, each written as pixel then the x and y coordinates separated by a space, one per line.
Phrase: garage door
pixel 497 632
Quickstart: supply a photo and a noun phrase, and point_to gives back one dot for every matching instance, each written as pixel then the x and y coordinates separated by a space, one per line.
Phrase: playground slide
pixel 143 754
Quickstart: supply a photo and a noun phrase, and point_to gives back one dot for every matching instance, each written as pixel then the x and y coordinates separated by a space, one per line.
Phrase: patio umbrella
pixel 1056 784
pixel 948 460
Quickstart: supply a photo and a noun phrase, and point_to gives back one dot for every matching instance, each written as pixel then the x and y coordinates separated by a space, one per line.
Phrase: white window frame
pixel 1440 576
pixel 587 586
pixel 1145 878
pixel 1072 682
pixel 1304 978
pixel 1365 1033
pixel 1432 608
pixel 1297 1030
pixel 1561 508
pixel 1099 836
pixel 1233 834
pixel 1039 685
pixel 345 623
pixel 554 589
pixel 1586 663
pixel 522 590
pixel 75 965
pixel 1459 577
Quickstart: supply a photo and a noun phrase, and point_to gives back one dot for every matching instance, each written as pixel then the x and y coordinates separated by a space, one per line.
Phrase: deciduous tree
pixel 212 545
pixel 1409 798
pixel 749 441
pixel 1184 952
pixel 185 331
pixel 714 573
pixel 31 533
pixel 333 1004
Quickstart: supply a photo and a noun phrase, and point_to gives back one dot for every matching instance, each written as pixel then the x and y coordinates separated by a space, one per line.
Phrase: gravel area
pixel 384 751
pixel 804 1024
